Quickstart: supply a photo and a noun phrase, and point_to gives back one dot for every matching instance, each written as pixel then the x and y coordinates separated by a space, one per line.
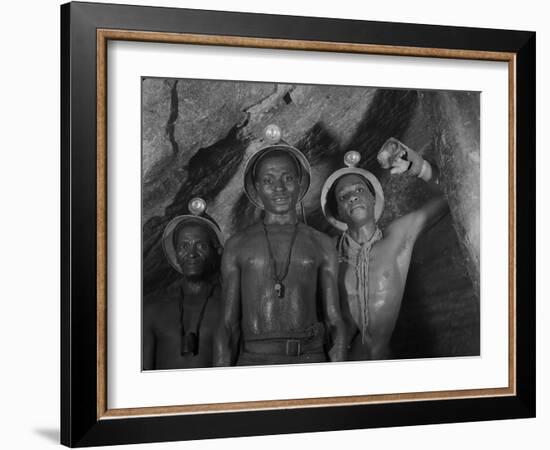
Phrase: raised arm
pixel 328 274
pixel 404 161
pixel 229 329
pixel 409 226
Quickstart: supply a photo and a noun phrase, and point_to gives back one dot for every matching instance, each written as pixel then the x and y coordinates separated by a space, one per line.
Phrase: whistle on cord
pixel 189 344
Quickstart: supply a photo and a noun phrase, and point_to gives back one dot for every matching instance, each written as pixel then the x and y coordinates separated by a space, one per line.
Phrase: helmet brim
pixel 249 185
pixel 168 235
pixel 330 182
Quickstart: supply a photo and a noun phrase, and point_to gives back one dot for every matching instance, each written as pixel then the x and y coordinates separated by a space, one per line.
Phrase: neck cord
pixel 203 309
pixel 279 287
pixel 361 262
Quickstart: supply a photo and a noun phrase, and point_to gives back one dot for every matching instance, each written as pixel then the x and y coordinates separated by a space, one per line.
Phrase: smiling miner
pixel 275 271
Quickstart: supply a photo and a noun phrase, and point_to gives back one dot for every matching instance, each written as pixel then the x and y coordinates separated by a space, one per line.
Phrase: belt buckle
pixel 293 347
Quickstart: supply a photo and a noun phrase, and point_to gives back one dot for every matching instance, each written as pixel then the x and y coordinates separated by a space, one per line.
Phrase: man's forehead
pixel 349 181
pixel 277 159
pixel 192 230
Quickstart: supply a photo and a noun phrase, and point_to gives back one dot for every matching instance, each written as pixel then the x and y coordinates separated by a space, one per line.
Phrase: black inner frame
pixel 79 424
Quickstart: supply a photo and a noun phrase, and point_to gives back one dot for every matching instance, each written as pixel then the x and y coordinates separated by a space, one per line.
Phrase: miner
pixel 178 327
pixel 279 275
pixel 374 264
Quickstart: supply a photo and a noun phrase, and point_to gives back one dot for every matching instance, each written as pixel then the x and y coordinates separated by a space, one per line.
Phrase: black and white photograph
pixel 288 223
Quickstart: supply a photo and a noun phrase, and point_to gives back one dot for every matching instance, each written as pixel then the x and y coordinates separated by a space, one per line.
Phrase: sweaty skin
pixel 388 264
pixel 251 305
pixel 196 255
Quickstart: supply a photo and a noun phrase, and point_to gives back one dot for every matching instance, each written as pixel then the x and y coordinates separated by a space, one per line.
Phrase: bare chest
pixel 278 254
pixel 200 318
pixel 381 278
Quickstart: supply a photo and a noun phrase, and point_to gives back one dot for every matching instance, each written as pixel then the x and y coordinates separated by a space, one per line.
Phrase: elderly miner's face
pixel 195 251
pixel 277 182
pixel 355 201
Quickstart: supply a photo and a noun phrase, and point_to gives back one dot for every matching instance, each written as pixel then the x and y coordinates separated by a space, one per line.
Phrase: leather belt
pixel 289 347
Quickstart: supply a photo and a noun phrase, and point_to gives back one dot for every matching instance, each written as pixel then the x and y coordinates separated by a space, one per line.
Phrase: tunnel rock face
pixel 440 307
pixel 454 119
pixel 179 118
pixel 198 135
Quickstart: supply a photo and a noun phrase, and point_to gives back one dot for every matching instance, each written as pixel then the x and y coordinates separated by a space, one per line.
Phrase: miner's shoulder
pixel 162 297
pixel 238 239
pixel 160 304
pixel 319 238
pixel 233 242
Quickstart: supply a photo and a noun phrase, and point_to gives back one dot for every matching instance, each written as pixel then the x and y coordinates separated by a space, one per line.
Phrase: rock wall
pixel 198 134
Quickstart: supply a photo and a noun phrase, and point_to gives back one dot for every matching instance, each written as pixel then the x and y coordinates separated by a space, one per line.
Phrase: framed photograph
pixel 278 224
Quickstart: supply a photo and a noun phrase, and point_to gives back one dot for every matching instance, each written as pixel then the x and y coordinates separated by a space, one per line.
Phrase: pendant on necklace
pixel 279 289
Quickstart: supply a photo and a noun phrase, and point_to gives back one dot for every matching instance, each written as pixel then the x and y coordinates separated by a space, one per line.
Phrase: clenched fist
pixel 399 158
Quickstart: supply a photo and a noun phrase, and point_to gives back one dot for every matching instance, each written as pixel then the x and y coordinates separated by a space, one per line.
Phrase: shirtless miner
pixel 374 266
pixel 279 275
pixel 178 329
